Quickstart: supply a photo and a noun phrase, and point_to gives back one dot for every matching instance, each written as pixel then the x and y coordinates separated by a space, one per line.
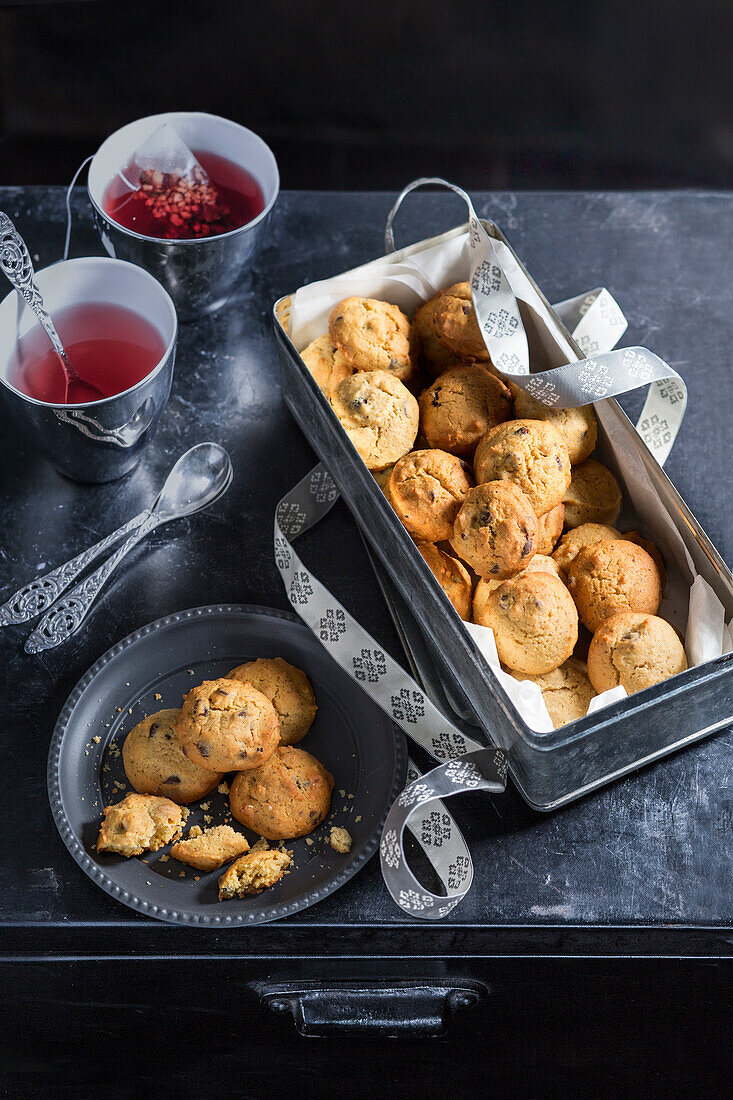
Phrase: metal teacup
pixel 199 274
pixel 98 440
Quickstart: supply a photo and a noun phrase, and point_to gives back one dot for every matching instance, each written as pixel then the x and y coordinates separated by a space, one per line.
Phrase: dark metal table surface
pixel 643 868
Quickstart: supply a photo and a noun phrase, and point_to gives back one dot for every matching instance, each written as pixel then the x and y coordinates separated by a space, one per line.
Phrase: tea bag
pixel 167 177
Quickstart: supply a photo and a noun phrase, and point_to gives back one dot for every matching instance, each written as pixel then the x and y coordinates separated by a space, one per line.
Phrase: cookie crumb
pixel 340 839
pixel 157 696
pixel 205 805
pixel 342 794
pixel 208 819
pixel 309 840
pixel 223 788
pixel 164 859
pixel 195 830
pixel 96 740
pixel 357 819
pixel 260 845
pixel 190 672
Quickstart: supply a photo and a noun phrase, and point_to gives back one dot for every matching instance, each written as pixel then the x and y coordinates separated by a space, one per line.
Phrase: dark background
pixel 523 94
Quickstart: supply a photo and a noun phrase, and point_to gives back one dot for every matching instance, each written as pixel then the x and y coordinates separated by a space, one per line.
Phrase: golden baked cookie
pixel 382 476
pixel 426 489
pixel 434 357
pixel 577 538
pixel 549 529
pixel 327 364
pixel 287 797
pixel 226 725
pixel 577 428
pixel 540 563
pixel 529 453
pixel 495 530
pixel 211 848
pixel 611 576
pixel 534 620
pixel 652 551
pixel 451 575
pixel 379 415
pixel 461 406
pixel 288 689
pixel 593 495
pixel 253 873
pixel 566 690
pixel 155 763
pixel 635 651
pixel 140 823
pixel 373 335
pixel 455 324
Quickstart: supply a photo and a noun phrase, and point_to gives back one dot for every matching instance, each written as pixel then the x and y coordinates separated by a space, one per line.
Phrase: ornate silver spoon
pixel 16 263
pixel 200 477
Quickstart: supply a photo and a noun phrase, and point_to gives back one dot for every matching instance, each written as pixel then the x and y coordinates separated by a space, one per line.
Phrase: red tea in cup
pixel 223 197
pixel 111 347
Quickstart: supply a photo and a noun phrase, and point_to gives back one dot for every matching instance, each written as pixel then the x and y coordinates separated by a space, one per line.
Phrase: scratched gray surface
pixel 652 849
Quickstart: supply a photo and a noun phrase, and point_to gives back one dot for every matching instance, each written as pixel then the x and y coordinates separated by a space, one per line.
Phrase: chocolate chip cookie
pixel 379 415
pixel 327 364
pixel 495 530
pixel 455 323
pixel 226 725
pixel 529 453
pixel 140 823
pixel 461 406
pixel 155 763
pixel 426 489
pixel 534 621
pixel 611 576
pixel 287 797
pixel 635 651
pixel 288 689
pixel 373 335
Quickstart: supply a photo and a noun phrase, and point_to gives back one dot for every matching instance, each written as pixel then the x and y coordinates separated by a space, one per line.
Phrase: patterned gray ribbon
pixel 496 279
pixel 389 685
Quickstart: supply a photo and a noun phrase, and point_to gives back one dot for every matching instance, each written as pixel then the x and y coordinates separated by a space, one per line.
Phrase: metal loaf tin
pixel 549 769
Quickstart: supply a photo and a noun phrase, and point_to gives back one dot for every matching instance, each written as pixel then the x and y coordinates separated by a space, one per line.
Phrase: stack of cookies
pixel 486 479
pixel 244 726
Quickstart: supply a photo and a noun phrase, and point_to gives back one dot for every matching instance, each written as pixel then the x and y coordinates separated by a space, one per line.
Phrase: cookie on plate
pixel 254 872
pixel 529 453
pixel 577 428
pixel 635 651
pixel 540 563
pixel 373 335
pixel 327 364
pixel 288 689
pixel 287 797
pixel 461 406
pixel 226 725
pixel 379 415
pixel 593 495
pixel 495 530
pixel 549 529
pixel 455 324
pixel 451 575
pixel 426 489
pixel 211 848
pixel 140 823
pixel 433 356
pixel 611 576
pixel 534 620
pixel 577 538
pixel 566 690
pixel 155 763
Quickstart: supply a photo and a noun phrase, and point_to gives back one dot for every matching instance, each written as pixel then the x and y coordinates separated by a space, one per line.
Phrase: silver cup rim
pixel 131 389
pixel 201 241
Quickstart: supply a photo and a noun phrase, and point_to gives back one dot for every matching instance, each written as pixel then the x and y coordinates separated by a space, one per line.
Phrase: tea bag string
pixel 498 283
pixel 69 193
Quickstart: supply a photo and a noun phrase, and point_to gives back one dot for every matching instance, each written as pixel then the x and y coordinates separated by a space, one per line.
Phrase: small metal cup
pixel 200 275
pixel 98 440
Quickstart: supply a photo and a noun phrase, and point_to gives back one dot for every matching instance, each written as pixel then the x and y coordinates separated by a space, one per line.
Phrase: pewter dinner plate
pixel 152 669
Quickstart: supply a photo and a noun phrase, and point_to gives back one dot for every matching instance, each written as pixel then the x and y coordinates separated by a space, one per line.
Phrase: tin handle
pixel 425 181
